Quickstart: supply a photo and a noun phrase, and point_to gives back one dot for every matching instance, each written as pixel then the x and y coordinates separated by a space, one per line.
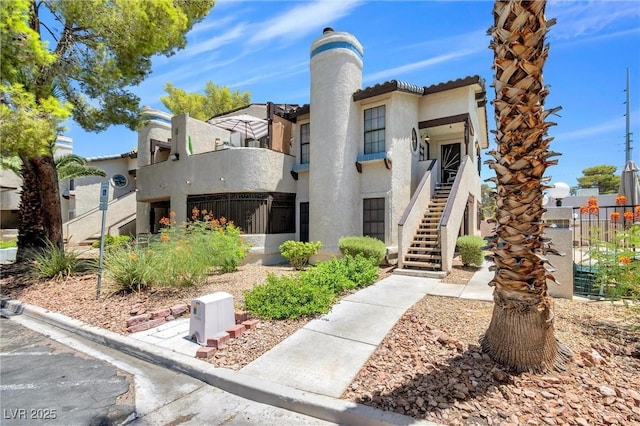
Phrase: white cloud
pixel 210 24
pixel 477 38
pixel 613 129
pixel 289 71
pixel 394 72
pixel 583 18
pixel 217 42
pixel 303 19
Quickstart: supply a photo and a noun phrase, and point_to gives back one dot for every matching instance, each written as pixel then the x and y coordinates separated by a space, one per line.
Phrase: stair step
pixel 423 256
pixel 421 248
pixel 422 265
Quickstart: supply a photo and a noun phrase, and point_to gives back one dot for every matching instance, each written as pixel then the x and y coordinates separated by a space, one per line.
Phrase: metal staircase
pixel 424 253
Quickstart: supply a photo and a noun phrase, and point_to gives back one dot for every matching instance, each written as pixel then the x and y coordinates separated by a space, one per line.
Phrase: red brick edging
pixel 153 319
pixel 220 342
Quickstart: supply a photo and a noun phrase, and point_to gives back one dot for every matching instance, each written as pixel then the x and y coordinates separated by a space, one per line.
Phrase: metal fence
pixel 593 225
pixel 254 213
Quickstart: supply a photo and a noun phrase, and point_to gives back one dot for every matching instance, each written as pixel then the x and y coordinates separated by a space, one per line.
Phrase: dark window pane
pixel 374 129
pixel 305 138
pixel 373 217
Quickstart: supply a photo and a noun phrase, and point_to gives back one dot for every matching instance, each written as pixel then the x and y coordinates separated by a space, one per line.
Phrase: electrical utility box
pixel 210 316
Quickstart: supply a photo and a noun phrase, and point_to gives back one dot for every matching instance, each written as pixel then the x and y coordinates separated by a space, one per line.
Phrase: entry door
pixel 450 162
pixel 304 222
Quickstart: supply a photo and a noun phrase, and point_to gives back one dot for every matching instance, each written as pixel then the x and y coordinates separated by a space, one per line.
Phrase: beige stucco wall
pixel 265 248
pixel 561 237
pixel 446 103
pixel 88 188
pixel 230 170
pixel 158 127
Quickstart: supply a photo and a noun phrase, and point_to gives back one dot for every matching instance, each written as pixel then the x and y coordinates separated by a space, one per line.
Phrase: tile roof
pixel 395 85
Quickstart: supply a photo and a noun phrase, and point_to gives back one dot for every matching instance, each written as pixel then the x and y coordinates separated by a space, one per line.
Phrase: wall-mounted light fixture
pixel 558 192
pixel 427 138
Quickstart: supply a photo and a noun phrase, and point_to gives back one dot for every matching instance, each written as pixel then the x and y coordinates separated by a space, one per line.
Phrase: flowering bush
pixel 621 200
pixel 183 255
pixel 628 216
pixel 591 208
pixel 618 264
pixel 615 216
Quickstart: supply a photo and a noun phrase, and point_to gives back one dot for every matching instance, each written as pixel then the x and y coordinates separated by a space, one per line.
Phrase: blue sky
pixel 263 47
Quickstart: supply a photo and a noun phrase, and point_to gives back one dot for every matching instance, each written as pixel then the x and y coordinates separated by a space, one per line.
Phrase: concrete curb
pixel 246 386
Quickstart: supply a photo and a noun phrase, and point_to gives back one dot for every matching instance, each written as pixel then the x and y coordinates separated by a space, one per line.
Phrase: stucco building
pixel 395 161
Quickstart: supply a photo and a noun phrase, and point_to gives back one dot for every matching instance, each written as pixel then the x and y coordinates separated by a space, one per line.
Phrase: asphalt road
pixel 45 382
pixel 52 377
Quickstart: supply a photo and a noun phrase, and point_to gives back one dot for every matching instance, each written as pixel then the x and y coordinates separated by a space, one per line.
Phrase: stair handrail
pixel 67 226
pixel 414 212
pixel 125 220
pixel 416 193
pixel 449 223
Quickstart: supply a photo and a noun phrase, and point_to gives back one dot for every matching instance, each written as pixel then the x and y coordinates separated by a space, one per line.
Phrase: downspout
pixel 270 124
pixel 466 135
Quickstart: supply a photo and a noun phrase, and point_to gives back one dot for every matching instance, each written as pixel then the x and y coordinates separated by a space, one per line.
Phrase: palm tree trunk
pixel 51 198
pixel 30 223
pixel 521 334
pixel 40 218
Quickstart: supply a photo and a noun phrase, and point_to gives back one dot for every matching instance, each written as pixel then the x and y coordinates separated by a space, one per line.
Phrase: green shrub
pixel 287 297
pixel 361 270
pixel 298 253
pixel 229 248
pixel 186 253
pixel 309 292
pixel 470 249
pixel 8 243
pixel 112 241
pixel 52 262
pixel 343 274
pixel 329 274
pixel 130 269
pixel 368 247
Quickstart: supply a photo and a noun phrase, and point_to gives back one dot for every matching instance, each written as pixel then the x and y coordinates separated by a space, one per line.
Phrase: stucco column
pixel 334 200
pixel 559 220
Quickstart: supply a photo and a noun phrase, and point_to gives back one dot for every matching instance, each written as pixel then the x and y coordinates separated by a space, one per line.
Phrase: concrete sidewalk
pixel 326 354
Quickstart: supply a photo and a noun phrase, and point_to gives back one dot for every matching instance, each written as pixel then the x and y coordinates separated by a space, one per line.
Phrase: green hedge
pixel 368 247
pixel 112 241
pixel 288 297
pixel 470 249
pixel 309 292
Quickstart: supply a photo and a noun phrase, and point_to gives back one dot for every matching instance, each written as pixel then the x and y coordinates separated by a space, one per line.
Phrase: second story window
pixel 374 130
pixel 304 143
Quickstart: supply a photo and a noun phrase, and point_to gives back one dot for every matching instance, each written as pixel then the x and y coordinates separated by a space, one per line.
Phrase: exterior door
pixel 304 222
pixel 450 162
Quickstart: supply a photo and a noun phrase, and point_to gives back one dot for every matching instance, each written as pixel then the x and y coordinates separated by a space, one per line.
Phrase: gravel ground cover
pixel 429 365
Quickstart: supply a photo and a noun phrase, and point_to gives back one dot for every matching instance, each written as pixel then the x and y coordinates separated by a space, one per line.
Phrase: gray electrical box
pixel 211 315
